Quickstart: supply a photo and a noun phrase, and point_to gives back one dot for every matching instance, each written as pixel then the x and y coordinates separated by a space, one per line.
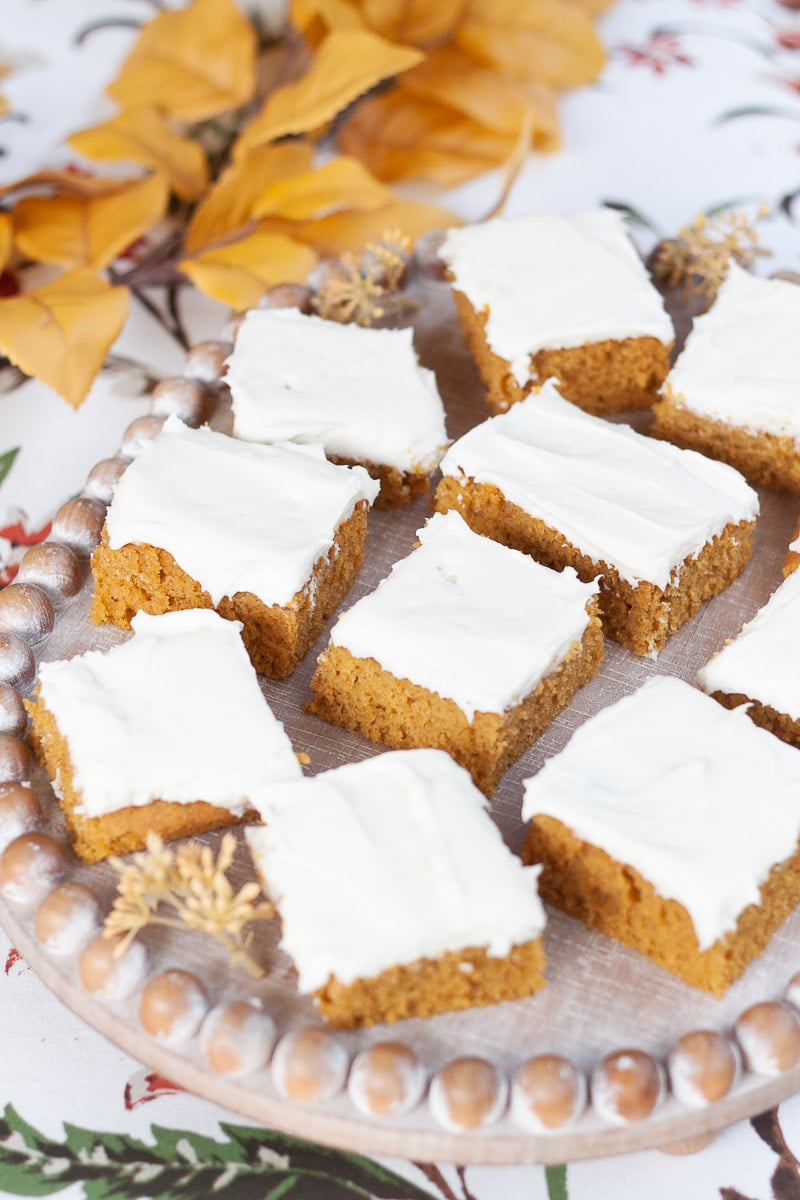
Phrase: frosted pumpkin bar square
pixel 734 392
pixel 360 393
pixel 655 826
pixel 760 667
pixel 166 732
pixel 397 895
pixel 663 529
pixel 563 296
pixel 466 646
pixel 271 536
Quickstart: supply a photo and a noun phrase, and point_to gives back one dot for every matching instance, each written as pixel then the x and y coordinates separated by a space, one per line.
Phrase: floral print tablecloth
pixel 698 108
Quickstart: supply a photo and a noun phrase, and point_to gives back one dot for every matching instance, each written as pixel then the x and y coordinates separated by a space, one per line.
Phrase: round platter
pixel 600 997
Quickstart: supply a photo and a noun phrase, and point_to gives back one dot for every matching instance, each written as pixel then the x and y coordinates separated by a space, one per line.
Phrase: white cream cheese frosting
pixel 175 713
pixel 360 392
pixel 741 362
pixel 236 517
pixel 467 618
pixel 696 798
pixel 640 505
pixel 763 661
pixel 379 863
pixel 554 282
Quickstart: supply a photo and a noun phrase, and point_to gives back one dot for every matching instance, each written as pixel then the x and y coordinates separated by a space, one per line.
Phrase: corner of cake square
pixel 564 296
pixel 654 826
pixel 734 391
pixel 662 529
pixel 272 536
pixel 397 895
pixel 359 392
pixel 167 732
pixel 466 646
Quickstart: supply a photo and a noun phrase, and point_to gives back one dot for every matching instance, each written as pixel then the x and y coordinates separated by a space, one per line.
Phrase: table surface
pixel 699 107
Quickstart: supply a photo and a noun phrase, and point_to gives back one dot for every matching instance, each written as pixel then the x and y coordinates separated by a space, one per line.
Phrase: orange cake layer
pixel 398 488
pixel 358 694
pixel 610 896
pixel 146 578
pixel 641 617
pixel 126 829
pixel 459 979
pixel 779 723
pixel 601 377
pixel 765 459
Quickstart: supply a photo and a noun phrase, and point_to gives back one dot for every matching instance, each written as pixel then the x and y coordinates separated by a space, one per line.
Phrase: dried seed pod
pixel 181 397
pixel 309 1065
pixel 104 477
pixel 386 1080
pixel 426 253
pixel 237 1038
pixel 547 1093
pixel 703 1067
pixel 206 361
pixel 13 718
pixel 79 523
pixel 138 434
pixel 30 867
pixel 325 272
pixel 172 1006
pixel 53 567
pixel 26 610
pixel 67 919
pixel 17 663
pixel 15 759
pixel 287 295
pixel 769 1037
pixel 19 812
pixel 468 1094
pixel 109 975
pixel 627 1086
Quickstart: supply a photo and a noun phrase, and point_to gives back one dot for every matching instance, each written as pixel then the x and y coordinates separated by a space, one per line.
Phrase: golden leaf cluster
pixel 186 888
pixel 214 166
pixel 697 259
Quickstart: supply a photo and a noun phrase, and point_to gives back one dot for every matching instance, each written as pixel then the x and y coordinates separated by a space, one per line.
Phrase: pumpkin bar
pixel 359 392
pixel 271 536
pixel 734 392
pixel 663 529
pixel 654 826
pixel 467 646
pixel 760 667
pixel 397 895
pixel 167 732
pixel 562 296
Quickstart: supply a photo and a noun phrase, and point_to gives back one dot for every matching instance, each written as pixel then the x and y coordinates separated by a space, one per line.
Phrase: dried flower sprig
pixel 366 287
pixel 698 258
pixel 191 885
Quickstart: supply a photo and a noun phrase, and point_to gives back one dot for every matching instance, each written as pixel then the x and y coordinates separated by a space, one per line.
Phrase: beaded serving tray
pixel 601 997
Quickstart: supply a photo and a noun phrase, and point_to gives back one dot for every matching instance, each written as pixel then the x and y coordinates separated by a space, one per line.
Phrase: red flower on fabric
pixel 20 538
pixel 789 39
pixel 660 52
pixel 14 959
pixel 148 1085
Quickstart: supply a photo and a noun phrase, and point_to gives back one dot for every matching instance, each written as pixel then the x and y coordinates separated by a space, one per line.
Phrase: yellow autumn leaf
pixel 450 77
pixel 547 41
pixel 6 239
pixel 400 136
pixel 342 231
pixel 69 182
pixel 230 204
pixel 142 135
pixel 341 183
pixel 195 63
pixel 89 231
pixel 316 18
pixel 348 63
pixel 417 22
pixel 61 332
pixel 239 273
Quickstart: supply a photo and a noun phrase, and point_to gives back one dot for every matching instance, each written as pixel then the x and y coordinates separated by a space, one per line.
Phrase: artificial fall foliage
pixel 225 152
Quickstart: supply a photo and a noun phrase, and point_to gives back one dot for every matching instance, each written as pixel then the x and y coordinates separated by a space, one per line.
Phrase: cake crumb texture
pixel 782 725
pixel 640 618
pixel 140 577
